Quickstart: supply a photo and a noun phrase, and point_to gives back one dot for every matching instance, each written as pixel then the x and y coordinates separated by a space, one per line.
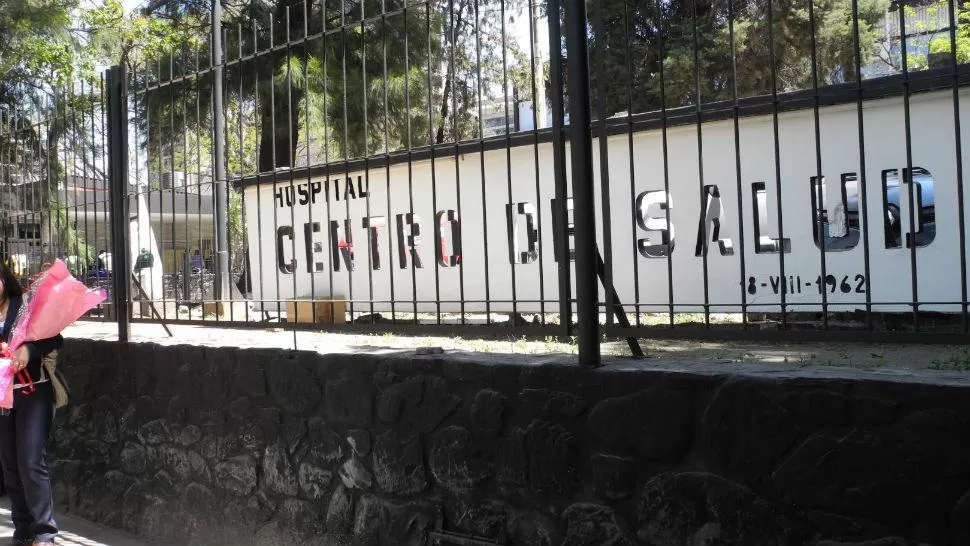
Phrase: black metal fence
pixel 503 166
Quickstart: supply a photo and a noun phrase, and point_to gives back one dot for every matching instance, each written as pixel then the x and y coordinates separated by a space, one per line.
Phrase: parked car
pixel 894 221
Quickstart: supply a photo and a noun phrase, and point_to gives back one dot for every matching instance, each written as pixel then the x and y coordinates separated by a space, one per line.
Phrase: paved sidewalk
pixel 75 531
pixel 868 356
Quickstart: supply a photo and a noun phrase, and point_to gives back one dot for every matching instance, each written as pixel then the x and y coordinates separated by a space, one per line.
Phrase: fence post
pixel 584 210
pixel 221 286
pixel 560 212
pixel 117 103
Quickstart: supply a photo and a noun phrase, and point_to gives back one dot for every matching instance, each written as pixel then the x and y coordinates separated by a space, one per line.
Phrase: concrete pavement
pixel 74 531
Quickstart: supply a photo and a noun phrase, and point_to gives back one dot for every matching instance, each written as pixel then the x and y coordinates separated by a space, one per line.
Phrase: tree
pixel 930 22
pixel 635 40
pixel 36 45
pixel 46 93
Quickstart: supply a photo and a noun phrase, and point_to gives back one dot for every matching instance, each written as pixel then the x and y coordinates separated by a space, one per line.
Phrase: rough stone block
pixel 301 517
pixel 818 407
pixel 419 403
pixel 360 442
pixel 293 386
pixel 614 477
pixel 355 475
pixel 747 431
pixel 553 459
pixel 487 412
pixel 551 403
pixel 340 511
pixel 457 463
pixel 350 401
pixel 399 464
pixel 190 435
pixel 133 460
pixel 324 445
pixel 278 472
pixel 314 481
pixel 198 498
pixel 237 475
pixel 593 525
pixel 655 424
pixel 155 432
pixel 700 508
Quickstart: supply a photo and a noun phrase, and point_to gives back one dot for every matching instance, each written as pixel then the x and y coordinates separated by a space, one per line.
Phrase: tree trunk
pixel 444 109
pixel 278 137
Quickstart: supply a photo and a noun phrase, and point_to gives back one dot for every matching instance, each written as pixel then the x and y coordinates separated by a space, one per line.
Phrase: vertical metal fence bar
pixel 457 139
pixel 906 178
pixel 698 111
pixel 134 102
pixel 258 128
pixel 777 144
pixel 308 97
pixel 820 189
pixel 118 150
pixel 6 155
pixel 332 260
pixel 6 223
pixel 80 257
pixel 387 165
pixel 169 141
pixel 53 178
pixel 954 18
pixel 290 157
pixel 190 79
pixel 604 157
pixel 481 158
pixel 432 143
pixel 221 192
pixel 514 260
pixel 271 81
pixel 560 210
pixel 410 156
pixel 736 115
pixel 9 219
pixel 628 65
pixel 244 211
pixel 535 156
pixel 52 205
pixel 582 170
pixel 862 179
pixel 665 150
pixel 105 160
pixel 346 145
pixel 367 153
pixel 199 79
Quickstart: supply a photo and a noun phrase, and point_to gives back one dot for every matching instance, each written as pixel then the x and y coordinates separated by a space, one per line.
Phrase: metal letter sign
pixel 442 243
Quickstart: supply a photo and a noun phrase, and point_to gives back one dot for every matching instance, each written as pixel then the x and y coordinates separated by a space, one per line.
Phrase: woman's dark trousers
pixel 23 452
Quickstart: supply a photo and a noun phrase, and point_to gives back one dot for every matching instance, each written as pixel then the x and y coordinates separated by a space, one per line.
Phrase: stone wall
pixel 225 446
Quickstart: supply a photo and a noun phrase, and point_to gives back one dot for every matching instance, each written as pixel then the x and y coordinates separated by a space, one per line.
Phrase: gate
pixel 720 169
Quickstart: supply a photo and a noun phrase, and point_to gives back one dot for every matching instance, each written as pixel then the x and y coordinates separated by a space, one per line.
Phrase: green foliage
pixel 138 37
pixel 36 45
pixel 639 40
pixel 933 20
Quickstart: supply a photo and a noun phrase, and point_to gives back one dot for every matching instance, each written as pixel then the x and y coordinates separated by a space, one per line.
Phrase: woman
pixel 25 428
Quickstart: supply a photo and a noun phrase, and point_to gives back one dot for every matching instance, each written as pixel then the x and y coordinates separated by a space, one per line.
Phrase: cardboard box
pixel 227 310
pixel 322 310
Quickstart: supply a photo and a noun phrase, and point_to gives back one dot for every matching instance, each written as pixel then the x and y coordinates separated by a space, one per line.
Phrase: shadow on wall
pixel 227 446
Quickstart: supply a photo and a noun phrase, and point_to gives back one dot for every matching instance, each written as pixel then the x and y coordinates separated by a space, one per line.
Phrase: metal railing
pixel 471 166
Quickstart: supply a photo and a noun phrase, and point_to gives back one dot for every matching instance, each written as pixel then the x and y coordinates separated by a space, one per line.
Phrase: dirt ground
pixel 852 355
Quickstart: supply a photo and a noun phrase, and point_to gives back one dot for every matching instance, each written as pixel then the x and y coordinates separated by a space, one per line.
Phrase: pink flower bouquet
pixel 53 302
